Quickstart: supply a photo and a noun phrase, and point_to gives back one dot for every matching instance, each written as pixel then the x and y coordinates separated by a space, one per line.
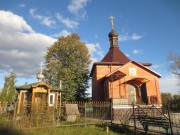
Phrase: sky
pixel 148 30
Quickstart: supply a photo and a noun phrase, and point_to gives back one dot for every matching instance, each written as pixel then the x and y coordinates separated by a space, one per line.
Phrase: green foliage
pixel 8 93
pixel 172 101
pixel 175 104
pixel 68 60
pixel 166 98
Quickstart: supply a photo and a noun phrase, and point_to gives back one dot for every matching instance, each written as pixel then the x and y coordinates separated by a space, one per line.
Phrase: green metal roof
pixel 29 87
pixel 26 86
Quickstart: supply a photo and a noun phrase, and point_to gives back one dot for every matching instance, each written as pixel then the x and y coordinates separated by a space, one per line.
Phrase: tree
pixel 175 104
pixel 68 60
pixel 8 92
pixel 172 101
pixel 166 98
pixel 174 63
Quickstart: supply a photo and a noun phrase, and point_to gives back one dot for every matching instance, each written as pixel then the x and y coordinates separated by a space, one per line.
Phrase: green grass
pixel 76 130
pixel 7 127
pixel 69 130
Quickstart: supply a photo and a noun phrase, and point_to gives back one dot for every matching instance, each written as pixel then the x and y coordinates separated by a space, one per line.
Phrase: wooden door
pixel 40 99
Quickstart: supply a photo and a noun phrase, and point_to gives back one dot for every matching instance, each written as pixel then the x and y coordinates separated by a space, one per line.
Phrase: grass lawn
pixel 76 130
pixel 72 130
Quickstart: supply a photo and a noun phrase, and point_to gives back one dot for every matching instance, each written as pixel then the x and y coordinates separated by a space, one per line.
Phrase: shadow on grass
pixel 9 131
pixel 121 129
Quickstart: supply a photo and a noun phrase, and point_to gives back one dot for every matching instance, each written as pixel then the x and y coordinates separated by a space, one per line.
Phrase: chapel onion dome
pixel 113 34
pixel 40 77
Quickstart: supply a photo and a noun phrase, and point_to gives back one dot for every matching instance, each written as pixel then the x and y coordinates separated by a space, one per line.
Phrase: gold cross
pixel 112 21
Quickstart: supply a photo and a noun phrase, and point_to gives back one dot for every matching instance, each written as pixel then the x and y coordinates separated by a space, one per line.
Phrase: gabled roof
pixel 115 55
pixel 117 74
pixel 26 86
pixel 41 83
pixel 36 84
pixel 142 66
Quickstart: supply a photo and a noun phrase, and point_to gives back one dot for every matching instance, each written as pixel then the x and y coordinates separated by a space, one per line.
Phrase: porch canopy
pixel 135 80
pixel 115 75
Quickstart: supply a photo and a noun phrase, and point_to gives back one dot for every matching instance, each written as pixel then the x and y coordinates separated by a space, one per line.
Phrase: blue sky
pixel 148 30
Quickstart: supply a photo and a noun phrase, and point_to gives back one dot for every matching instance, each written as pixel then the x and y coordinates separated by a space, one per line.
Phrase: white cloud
pixel 15 22
pixel 45 20
pixel 156 66
pixel 127 54
pixel 76 5
pixel 22 5
pixel 62 33
pixel 123 37
pixel 67 22
pixel 95 52
pixel 135 36
pixel 21 48
pixel 48 21
pixel 126 37
pixel 135 51
pixel 93 47
pixel 100 53
pixel 93 60
pixel 32 13
pixel 169 84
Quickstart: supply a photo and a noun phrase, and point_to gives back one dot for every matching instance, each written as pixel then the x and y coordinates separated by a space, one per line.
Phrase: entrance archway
pixel 40 99
pixel 136 91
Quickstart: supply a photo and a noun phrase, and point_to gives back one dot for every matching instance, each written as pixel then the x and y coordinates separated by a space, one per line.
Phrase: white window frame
pixel 53 100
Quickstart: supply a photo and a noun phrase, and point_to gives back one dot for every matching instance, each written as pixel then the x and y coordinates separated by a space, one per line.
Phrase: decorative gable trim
pixel 41 83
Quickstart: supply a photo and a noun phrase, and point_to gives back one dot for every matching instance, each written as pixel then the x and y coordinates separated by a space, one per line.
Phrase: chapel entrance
pixel 132 94
pixel 40 99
